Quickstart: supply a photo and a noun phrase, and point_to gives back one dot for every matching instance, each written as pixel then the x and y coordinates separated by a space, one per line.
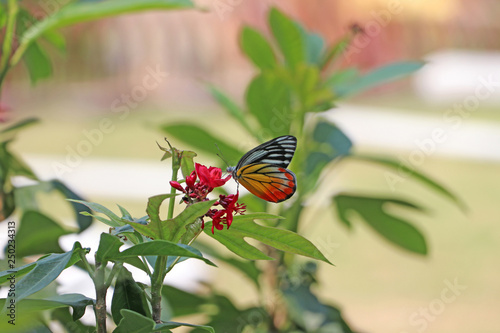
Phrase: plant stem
pixel 100 293
pixel 116 268
pixel 156 286
pixel 13 9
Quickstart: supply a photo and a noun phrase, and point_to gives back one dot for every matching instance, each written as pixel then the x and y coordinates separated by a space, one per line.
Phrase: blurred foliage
pixel 292 86
pixel 294 83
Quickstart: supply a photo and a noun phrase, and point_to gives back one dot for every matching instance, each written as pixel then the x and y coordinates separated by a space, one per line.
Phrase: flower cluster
pixel 223 216
pixel 195 191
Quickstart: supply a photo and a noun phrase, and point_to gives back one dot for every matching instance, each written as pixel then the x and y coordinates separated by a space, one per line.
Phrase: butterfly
pixel 263 170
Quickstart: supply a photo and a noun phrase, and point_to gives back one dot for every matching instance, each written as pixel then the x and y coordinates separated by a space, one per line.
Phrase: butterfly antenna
pixel 221 156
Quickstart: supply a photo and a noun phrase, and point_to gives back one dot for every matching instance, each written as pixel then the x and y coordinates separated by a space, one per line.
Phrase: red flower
pixel 225 216
pixel 210 176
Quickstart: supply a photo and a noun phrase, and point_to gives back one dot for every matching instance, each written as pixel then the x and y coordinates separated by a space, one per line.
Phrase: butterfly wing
pixel 278 151
pixel 267 181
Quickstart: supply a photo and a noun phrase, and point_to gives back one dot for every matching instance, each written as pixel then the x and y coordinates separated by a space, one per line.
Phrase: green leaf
pixel 187 162
pixel 182 302
pixel 200 139
pixel 177 226
pixel 377 77
pixel 128 295
pixel 133 322
pixel 83 221
pixel 244 226
pixel 228 318
pixel 308 311
pixel 45 271
pixel 336 50
pixel 37 62
pixel 341 76
pixel 173 229
pixel 314 45
pixel 38 234
pixel 65 319
pixel 153 211
pixel 257 48
pixel 13 129
pixel 268 99
pixel 372 210
pixel 306 82
pixel 289 38
pixel 77 301
pixel 108 248
pixel 232 108
pixel 173 324
pixel 160 248
pixel 329 143
pixel 56 39
pixel 410 172
pixel 246 267
pixel 11 165
pixel 83 11
pixel 23 270
pixel 114 220
pixel 27 310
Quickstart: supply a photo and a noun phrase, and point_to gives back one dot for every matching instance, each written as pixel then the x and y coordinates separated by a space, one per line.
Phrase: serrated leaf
pixel 373 212
pixel 244 226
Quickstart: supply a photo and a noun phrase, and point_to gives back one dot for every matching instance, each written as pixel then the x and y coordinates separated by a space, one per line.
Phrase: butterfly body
pixel 263 170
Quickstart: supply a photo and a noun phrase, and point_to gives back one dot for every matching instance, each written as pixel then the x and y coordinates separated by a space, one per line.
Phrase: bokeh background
pixel 379 288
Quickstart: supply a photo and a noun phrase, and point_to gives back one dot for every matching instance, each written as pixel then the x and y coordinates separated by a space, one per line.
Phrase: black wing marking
pixel 278 151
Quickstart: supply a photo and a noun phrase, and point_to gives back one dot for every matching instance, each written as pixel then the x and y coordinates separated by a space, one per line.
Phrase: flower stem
pixel 156 286
pixel 160 270
pixel 100 293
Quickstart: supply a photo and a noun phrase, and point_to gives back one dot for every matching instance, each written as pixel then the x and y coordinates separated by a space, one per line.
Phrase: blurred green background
pixel 380 288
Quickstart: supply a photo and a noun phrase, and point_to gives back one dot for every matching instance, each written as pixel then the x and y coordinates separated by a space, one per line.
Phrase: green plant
pixel 292 86
pixel 157 245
